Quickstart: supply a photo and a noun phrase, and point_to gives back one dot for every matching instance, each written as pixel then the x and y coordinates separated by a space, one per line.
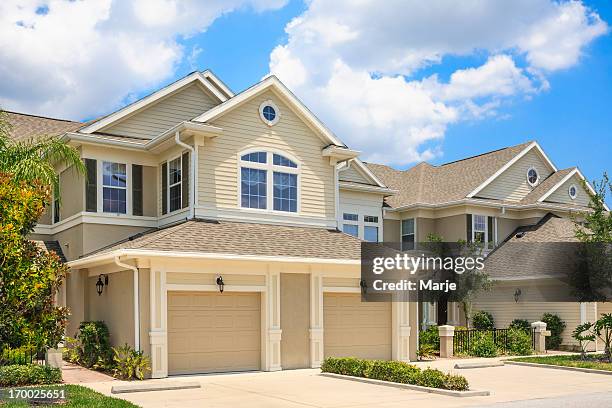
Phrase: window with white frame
pixel 114 188
pixel 408 235
pixel 350 224
pixel 370 232
pixel 269 181
pixel 175 183
pixel 483 230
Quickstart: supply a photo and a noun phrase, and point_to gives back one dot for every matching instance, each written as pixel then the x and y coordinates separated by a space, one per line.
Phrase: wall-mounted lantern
pixel 100 284
pixel 364 286
pixel 517 295
pixel 220 283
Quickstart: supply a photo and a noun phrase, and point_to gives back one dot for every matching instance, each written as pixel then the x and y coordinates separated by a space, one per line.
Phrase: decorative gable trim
pixel 154 97
pixel 571 174
pixel 274 83
pixel 208 74
pixel 532 145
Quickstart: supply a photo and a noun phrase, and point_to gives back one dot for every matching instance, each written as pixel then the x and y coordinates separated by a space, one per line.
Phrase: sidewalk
pixel 75 374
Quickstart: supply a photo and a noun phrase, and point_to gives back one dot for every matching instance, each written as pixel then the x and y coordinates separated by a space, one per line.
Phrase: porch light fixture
pixel 364 286
pixel 100 284
pixel 220 283
pixel 517 295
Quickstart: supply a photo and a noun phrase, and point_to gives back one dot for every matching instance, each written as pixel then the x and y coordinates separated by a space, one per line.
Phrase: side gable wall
pixel 512 184
pixel 353 175
pixel 219 171
pixel 184 104
pixel 561 195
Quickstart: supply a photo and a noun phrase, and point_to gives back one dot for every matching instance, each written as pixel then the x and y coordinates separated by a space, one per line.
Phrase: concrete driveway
pixel 306 388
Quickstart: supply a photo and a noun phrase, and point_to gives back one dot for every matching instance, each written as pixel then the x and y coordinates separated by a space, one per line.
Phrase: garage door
pixel 356 329
pixel 213 332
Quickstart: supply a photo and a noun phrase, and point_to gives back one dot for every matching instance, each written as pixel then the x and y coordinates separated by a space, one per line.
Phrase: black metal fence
pixel 464 339
pixel 22 356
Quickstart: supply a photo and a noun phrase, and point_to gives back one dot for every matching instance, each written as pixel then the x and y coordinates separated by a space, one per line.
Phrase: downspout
pixel 177 139
pixel 136 301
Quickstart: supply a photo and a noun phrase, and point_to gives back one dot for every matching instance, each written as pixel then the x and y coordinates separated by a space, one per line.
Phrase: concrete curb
pixel 558 367
pixel 146 387
pixel 451 393
pixel 484 364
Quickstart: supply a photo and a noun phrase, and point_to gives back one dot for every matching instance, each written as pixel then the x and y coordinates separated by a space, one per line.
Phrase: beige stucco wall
pixel 243 129
pixel 71 241
pixel 149 191
pixel 96 236
pixel 391 230
pixel 145 311
pixel 452 228
pixel 424 227
pixel 295 320
pixel 45 218
pixel 505 226
pixel 72 186
pixel 76 283
pixel 115 306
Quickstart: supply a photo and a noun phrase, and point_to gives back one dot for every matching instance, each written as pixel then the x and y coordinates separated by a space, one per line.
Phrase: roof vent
pixel 520 235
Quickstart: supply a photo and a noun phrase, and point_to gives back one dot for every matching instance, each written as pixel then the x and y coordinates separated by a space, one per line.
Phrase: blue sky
pixel 402 82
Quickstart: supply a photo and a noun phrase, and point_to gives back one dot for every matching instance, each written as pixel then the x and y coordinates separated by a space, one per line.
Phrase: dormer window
pixel 269 113
pixel 532 176
pixel 572 191
pixel 268 181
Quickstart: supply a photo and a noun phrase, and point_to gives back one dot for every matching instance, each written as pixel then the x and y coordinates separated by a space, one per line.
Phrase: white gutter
pixel 136 301
pixel 473 201
pixel 177 139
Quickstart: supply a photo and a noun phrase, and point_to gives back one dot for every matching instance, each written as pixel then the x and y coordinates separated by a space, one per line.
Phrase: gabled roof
pixel 208 74
pixel 574 171
pixel 239 239
pixel 427 184
pixel 197 76
pixel 24 126
pixel 272 82
pixel 545 186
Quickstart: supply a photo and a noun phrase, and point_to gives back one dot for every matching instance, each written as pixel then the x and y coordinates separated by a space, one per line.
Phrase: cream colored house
pixel 221 232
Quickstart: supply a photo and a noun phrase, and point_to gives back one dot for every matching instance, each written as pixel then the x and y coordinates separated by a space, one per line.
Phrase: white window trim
pixel 486 231
pixel 270 168
pixel 276 110
pixel 100 187
pixel 413 230
pixel 569 191
pixel 537 173
pixel 180 157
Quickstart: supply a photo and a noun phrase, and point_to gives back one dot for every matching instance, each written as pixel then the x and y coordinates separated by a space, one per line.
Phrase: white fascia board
pixel 510 163
pixel 564 180
pixel 270 82
pixel 475 201
pixel 136 253
pixel 98 140
pixel 208 74
pixel 121 113
pixel 341 153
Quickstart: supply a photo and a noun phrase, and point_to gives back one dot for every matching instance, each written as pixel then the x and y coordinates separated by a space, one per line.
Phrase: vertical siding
pixel 561 195
pixel 512 184
pixel 243 129
pixel 351 174
pixel 184 104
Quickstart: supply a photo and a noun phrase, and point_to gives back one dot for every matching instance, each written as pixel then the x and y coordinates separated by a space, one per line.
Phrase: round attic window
pixel 269 113
pixel 572 191
pixel 532 176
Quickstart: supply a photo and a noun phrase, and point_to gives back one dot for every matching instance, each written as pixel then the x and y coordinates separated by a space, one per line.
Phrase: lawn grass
pixel 592 361
pixel 76 396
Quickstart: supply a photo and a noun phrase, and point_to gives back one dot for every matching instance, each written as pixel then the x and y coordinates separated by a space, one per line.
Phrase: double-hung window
pixel 481 229
pixel 175 183
pixel 350 224
pixel 370 231
pixel 268 181
pixel 408 234
pixel 114 188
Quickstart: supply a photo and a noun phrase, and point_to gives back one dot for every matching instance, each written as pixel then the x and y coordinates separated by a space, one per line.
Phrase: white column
pixel 159 315
pixel 316 320
pixel 400 343
pixel 273 329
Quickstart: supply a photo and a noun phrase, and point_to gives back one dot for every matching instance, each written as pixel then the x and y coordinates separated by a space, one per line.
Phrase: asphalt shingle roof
pixel 241 238
pixel 24 126
pixel 51 246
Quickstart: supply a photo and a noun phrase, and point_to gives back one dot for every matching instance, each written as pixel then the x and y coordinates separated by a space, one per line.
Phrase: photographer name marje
pixel 424 284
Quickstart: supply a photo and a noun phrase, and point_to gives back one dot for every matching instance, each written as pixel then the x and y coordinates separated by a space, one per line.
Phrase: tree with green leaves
pixel 584 335
pixel 603 329
pixel 37 158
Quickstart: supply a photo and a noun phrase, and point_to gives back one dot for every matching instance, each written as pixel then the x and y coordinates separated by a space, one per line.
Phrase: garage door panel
pixel 355 328
pixel 213 332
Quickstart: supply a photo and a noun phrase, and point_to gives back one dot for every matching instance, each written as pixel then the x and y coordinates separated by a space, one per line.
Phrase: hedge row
pixel 394 371
pixel 31 374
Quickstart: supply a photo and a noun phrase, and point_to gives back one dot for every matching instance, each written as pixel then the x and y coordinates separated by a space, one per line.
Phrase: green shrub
pixel 430 337
pixel 519 342
pixel 482 320
pixel 31 374
pixel 95 350
pixel 556 327
pixel 520 324
pixel 13 356
pixel 129 363
pixel 394 371
pixel 483 345
pixel 427 351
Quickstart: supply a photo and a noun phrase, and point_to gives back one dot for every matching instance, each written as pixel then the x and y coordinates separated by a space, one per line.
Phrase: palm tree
pixel 35 159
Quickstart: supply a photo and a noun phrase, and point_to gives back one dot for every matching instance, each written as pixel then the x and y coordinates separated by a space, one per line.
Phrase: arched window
pixel 268 181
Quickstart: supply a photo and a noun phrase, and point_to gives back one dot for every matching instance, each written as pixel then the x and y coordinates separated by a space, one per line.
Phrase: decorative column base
pixel 316 347
pixel 159 354
pixel 274 345
pixel 540 336
pixel 53 357
pixel 447 337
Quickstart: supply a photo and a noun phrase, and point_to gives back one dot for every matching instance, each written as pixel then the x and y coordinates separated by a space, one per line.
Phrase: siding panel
pixel 561 195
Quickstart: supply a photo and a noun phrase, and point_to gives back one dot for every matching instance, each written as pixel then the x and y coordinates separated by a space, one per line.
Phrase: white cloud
pixel 354 64
pixel 83 58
